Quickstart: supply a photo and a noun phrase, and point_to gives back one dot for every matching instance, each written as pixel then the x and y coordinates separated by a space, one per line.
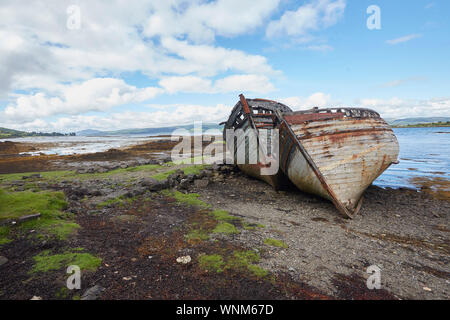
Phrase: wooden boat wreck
pixel 249 119
pixel 334 153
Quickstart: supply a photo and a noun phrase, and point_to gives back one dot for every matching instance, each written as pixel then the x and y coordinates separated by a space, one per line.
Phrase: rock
pixel 95 193
pixel 124 218
pixel 29 217
pixel 153 184
pixel 426 289
pixel 135 192
pixel 33 176
pixel 163 158
pixel 184 259
pixel 184 184
pixel 203 183
pixel 3 260
pixel 91 170
pixel 92 293
pixel 201 175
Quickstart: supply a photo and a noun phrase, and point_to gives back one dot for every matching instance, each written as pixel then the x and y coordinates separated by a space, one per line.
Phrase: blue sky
pixel 110 65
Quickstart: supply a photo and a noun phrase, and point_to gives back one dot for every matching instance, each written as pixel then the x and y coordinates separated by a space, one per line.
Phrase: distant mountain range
pixel 169 130
pixel 147 131
pixel 413 121
pixel 10 133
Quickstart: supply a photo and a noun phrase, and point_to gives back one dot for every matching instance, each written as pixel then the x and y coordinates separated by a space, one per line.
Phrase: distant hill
pixel 147 131
pixel 10 133
pixel 413 121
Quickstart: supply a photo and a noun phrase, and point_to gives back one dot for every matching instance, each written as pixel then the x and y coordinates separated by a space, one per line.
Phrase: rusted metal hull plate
pixel 350 154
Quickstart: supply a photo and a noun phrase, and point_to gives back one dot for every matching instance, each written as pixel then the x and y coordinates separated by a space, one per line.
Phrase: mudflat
pixel 143 227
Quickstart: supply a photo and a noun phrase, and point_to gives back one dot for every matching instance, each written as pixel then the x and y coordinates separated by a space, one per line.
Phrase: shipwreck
pixel 335 153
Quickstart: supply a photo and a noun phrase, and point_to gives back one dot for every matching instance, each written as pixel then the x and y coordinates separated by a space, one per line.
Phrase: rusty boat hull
pixel 249 119
pixel 333 153
pixel 336 153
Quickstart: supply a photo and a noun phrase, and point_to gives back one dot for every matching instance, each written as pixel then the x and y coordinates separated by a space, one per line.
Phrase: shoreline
pixel 139 212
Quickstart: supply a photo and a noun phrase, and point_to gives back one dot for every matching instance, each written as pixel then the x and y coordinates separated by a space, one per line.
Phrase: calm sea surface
pixel 423 152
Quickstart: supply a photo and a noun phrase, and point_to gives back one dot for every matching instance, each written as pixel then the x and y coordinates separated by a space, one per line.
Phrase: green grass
pixel 16 204
pixel 45 261
pixel 186 198
pixel 52 222
pixel 245 260
pixel 275 243
pixel 58 228
pixel 239 261
pixel 248 226
pixel 147 168
pixel 223 215
pixel 163 175
pixel 213 262
pixel 121 201
pixel 424 125
pixel 110 202
pixel 226 228
pixel 4 235
pixel 70 175
pixel 62 293
pixel 50 175
pixel 193 169
pixel 197 235
pixel 257 270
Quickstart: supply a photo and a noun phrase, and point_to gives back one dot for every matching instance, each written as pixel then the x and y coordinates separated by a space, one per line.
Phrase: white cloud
pixel 98 94
pixel 244 83
pixel 308 18
pixel 388 108
pixel 322 47
pixel 234 83
pixel 170 115
pixel 38 51
pixel 185 84
pixel 397 83
pixel 208 60
pixel 400 108
pixel 403 39
pixel 200 21
pixel 318 99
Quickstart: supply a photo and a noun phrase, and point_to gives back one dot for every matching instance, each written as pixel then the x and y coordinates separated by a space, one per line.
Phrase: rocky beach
pixel 143 227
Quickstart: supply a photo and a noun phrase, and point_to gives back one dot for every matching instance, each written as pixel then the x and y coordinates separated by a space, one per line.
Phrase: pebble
pixel 3 260
pixel 92 293
pixel 184 259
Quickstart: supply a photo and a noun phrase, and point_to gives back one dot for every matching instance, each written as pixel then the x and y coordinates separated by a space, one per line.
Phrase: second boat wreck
pixel 335 153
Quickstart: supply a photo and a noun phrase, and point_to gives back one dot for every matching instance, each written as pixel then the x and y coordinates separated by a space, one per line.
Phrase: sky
pixel 116 64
